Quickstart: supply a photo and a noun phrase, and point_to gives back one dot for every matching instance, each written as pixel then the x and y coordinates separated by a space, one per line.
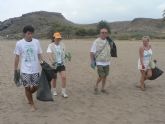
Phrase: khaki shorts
pixel 103 71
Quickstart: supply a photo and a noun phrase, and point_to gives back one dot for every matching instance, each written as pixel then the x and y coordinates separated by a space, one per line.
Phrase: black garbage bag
pixel 156 72
pixel 44 90
pixel 48 71
pixel 112 44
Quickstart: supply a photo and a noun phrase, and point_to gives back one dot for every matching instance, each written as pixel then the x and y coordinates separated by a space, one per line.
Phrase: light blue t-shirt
pixel 58 53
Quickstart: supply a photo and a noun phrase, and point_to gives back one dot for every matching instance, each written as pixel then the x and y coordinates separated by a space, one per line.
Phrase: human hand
pixel 54 65
pixel 143 67
pixel 41 62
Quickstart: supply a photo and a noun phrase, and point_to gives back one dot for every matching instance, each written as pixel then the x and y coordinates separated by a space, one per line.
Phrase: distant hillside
pixel 136 28
pixel 47 22
pixel 139 27
pixel 42 22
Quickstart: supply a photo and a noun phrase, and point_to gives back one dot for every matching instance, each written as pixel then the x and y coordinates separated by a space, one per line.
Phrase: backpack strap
pixel 98 53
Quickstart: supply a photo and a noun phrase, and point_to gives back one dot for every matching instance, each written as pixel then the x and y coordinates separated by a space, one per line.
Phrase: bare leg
pixel 53 84
pixel 33 89
pixel 53 81
pixel 30 98
pixel 63 78
pixel 103 82
pixel 27 93
pixel 96 91
pixel 148 73
pixel 98 81
pixel 142 79
pixel 103 86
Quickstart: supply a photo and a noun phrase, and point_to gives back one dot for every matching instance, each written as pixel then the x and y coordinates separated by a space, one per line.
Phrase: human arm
pixel 40 57
pixel 141 54
pixel 16 62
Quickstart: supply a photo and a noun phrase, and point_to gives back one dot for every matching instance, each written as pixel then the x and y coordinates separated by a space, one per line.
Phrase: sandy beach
pixel 125 103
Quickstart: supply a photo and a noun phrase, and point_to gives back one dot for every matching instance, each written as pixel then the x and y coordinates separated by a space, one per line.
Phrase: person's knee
pixel 63 78
pixel 102 77
pixel 27 89
pixel 33 89
pixel 53 81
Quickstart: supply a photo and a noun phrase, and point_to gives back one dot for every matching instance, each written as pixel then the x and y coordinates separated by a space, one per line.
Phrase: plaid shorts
pixel 29 80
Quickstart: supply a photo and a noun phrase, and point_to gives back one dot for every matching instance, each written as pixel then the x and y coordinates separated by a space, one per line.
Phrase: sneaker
pixel 64 94
pixel 54 93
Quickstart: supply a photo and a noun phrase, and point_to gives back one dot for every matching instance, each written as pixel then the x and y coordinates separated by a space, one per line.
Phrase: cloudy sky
pixel 85 11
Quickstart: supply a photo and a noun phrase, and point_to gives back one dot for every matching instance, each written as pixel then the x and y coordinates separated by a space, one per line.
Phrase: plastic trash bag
pixel 44 90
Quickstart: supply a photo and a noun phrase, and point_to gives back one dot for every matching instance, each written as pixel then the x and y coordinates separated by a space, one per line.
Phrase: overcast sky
pixel 85 11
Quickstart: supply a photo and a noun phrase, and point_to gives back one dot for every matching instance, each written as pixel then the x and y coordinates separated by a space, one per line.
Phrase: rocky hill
pixel 44 21
pixel 139 27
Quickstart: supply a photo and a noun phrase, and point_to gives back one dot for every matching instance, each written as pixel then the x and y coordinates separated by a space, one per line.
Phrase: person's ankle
pixel 33 107
pixel 63 92
pixel 53 89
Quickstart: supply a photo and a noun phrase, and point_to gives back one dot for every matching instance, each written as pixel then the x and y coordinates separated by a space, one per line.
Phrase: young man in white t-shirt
pixel 28 52
pixel 100 57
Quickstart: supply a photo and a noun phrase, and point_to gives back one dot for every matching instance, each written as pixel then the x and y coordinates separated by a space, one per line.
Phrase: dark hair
pixel 28 28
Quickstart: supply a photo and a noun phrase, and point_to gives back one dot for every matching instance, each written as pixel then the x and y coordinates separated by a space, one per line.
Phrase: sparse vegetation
pixel 46 23
pixel 69 31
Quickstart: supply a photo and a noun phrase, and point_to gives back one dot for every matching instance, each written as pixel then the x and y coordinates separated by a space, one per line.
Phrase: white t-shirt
pixel 93 50
pixel 28 52
pixel 57 51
